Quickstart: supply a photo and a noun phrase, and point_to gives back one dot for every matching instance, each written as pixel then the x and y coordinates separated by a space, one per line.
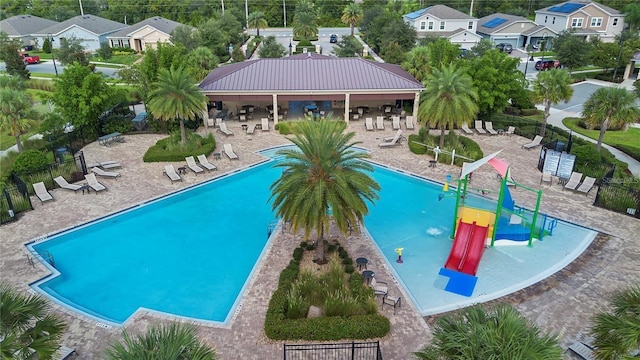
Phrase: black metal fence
pixel 335 351
pixel 13 201
pixel 618 197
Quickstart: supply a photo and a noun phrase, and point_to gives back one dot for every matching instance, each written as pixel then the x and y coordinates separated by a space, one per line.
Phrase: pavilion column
pixel 346 108
pixel 275 109
pixel 205 118
pixel 416 105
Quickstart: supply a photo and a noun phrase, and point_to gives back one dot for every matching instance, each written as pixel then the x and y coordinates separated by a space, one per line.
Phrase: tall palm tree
pixel 16 113
pixel 26 327
pixel 417 62
pixel 449 99
pixel 323 178
pixel 176 96
pixel 204 60
pixel 257 21
pixel 497 333
pixel 617 333
pixel 551 87
pixel 610 106
pixel 170 342
pixel 352 15
pixel 304 26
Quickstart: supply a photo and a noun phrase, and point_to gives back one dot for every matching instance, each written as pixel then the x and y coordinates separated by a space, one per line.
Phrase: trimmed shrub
pixel 169 149
pixel 414 147
pixel 117 123
pixel 30 160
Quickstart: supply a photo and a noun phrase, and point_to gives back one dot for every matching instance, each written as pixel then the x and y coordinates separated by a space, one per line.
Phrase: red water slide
pixel 467 249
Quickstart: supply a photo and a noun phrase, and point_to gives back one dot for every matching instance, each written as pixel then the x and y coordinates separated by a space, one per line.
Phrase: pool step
pixel 45 257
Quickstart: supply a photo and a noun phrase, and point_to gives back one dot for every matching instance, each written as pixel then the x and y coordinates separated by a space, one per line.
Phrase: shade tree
pixel 610 106
pixel 550 88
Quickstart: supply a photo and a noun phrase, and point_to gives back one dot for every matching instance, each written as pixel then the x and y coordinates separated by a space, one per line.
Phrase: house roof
pixel 537 30
pixel 494 23
pixel 91 23
pixel 451 34
pixel 440 11
pixel 21 25
pixel 309 72
pixel 159 23
pixel 572 6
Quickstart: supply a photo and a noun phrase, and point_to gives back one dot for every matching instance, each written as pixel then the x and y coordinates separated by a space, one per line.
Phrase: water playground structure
pixel 476 227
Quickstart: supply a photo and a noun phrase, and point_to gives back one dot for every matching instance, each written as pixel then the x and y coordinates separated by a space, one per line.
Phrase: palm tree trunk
pixel 547 110
pixel 352 28
pixel 321 257
pixel 441 144
pixel 257 32
pixel 183 135
pixel 18 143
pixel 603 129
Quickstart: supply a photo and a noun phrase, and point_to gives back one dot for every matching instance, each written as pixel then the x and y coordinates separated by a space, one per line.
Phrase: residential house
pixel 518 31
pixel 586 18
pixel 145 34
pixel 91 30
pixel 23 26
pixel 443 21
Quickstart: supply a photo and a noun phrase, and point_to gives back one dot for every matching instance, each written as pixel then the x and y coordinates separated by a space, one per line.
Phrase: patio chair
pixel 265 124
pixel 204 162
pixel 535 143
pixel 479 128
pixel 355 117
pixel 466 129
pixel 210 123
pixel 93 182
pixel 546 177
pixel 511 130
pixel 251 129
pixel 242 118
pixel 574 180
pixel 380 122
pixel 171 173
pixel 489 126
pixel 107 174
pixel 218 122
pixel 587 185
pixel 392 301
pixel 106 165
pixel 396 122
pixel 582 350
pixel 379 287
pixel 392 141
pixel 230 153
pixel 63 353
pixel 368 122
pixel 223 129
pixel 41 192
pixel 409 122
pixel 191 163
pixel 62 182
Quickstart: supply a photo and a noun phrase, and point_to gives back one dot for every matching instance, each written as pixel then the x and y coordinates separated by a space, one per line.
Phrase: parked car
pixel 28 59
pixel 333 38
pixel 508 48
pixel 547 64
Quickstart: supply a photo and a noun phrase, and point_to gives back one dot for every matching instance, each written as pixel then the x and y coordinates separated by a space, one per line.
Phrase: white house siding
pixel 466 39
pixel 449 25
pixel 148 37
pixel 555 22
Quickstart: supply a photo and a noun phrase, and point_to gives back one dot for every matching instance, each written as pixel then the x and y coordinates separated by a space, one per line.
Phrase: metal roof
pixel 91 23
pixel 21 25
pixel 309 72
pixel 159 23
pixel 442 12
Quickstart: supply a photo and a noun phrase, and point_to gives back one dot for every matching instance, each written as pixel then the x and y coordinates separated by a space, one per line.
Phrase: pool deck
pixel 563 303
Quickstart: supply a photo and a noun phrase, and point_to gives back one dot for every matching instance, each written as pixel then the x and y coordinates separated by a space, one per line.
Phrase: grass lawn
pixel 119 60
pixel 41 75
pixel 629 139
pixel 7 141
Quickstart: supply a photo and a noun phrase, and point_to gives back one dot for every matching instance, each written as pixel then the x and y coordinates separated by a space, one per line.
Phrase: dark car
pixel 508 48
pixel 547 64
pixel 333 38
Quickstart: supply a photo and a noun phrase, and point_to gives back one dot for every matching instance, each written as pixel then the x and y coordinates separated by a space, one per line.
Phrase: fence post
pixel 353 350
pixel 453 156
pixel 12 213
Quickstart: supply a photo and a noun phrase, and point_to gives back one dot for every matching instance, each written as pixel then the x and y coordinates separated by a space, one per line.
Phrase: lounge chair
pixel 62 182
pixel 265 124
pixel 223 129
pixel 230 153
pixel 41 192
pixel 93 182
pixel 191 163
pixel 105 165
pixel 574 180
pixel 210 123
pixel 63 353
pixel 218 122
pixel 107 174
pixel 380 123
pixel 582 350
pixel 393 301
pixel 204 162
pixel 479 128
pixel 489 126
pixel 546 177
pixel 379 287
pixel 409 122
pixel 171 173
pixel 587 185
pixel 368 122
pixel 392 141
pixel 396 122
pixel 251 128
pixel 466 129
pixel 536 142
pixel 511 130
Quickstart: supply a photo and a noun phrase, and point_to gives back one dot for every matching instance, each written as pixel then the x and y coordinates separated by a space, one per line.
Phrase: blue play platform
pixel 515 232
pixel 459 283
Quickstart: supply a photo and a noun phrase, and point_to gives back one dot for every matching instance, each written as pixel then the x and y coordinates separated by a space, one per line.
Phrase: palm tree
pixel 174 341
pixel 610 106
pixel 617 333
pixel 449 99
pixel 352 15
pixel 304 26
pixel 551 87
pixel 204 61
pixel 257 21
pixel 176 96
pixel 27 330
pixel 417 62
pixel 497 333
pixel 16 113
pixel 323 177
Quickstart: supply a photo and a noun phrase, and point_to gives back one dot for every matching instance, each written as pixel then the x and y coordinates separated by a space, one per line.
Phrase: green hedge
pixel 169 149
pixel 463 146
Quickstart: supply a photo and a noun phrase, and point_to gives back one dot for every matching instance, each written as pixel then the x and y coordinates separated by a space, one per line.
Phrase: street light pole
pixel 290 47
pixel 55 68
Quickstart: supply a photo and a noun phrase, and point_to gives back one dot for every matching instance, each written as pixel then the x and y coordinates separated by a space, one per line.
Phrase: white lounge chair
pixel 41 192
pixel 479 128
pixel 230 153
pixel 107 174
pixel 574 180
pixel 106 165
pixel 546 177
pixel 265 124
pixel 218 122
pixel 380 123
pixel 379 287
pixel 223 129
pixel 466 129
pixel 511 130
pixel 204 162
pixel 587 185
pixel 408 121
pixel 63 353
pixel 251 128
pixel 392 141
pixel 93 182
pixel 489 126
pixel 191 163
pixel 536 142
pixel 210 123
pixel 368 123
pixel 396 122
pixel 62 182
pixel 171 173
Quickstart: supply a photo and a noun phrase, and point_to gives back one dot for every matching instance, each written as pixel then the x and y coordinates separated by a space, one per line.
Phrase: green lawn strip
pixel 7 141
pixel 625 141
pixel 41 75
pixel 125 59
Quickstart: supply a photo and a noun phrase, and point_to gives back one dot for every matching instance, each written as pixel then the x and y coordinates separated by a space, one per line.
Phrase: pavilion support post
pixel 416 105
pixel 346 108
pixel 275 109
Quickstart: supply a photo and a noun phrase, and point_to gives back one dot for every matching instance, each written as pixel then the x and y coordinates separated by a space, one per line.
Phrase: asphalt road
pixel 46 67
pixel 285 36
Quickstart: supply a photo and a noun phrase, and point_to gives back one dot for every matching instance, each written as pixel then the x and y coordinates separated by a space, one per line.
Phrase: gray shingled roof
pixel 91 23
pixel 21 25
pixel 510 20
pixel 441 12
pixel 309 72
pixel 538 28
pixel 603 7
pixel 159 23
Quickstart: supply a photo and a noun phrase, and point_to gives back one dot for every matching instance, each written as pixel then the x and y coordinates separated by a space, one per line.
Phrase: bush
pixel 29 161
pixel 123 51
pixel 522 99
pixel 169 149
pixel 529 112
pixel 117 123
pixel 414 147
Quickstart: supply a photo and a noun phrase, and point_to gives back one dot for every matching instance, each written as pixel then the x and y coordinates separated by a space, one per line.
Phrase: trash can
pixel 559 146
pixel 60 154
